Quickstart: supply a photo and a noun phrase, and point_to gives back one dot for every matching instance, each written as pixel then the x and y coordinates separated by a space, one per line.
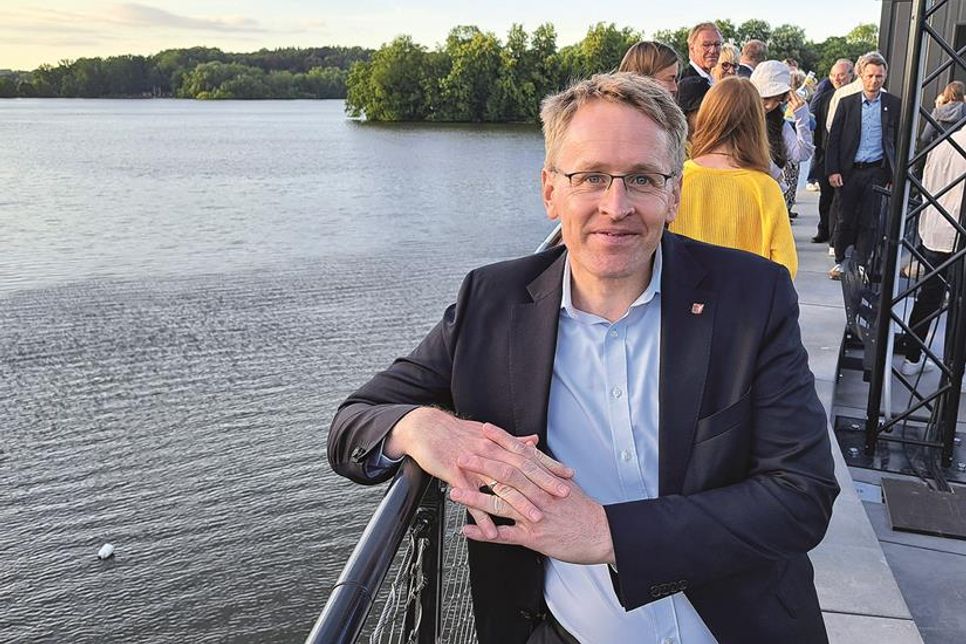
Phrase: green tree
pixel 245 85
pixel 860 40
pixel 392 85
pixel 677 39
pixel 546 60
pixel 865 35
pixel 753 29
pixel 788 41
pixel 322 82
pixel 514 95
pixel 8 87
pixel 728 31
pixel 603 47
pixel 205 79
pixel 468 89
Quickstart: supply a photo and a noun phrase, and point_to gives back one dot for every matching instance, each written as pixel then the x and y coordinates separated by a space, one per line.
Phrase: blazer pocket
pixel 724 419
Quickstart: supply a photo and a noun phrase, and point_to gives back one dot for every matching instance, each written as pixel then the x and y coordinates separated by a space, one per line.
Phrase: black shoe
pixel 792 215
pixel 820 239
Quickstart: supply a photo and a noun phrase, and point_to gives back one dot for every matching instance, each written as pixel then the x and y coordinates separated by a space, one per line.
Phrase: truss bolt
pixel 854 452
pixel 961 467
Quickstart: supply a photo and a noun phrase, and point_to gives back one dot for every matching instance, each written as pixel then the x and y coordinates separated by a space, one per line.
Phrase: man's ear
pixel 547 191
pixel 674 200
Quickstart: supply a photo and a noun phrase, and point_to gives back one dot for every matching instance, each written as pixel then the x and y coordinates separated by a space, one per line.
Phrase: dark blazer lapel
pixel 533 343
pixel 687 320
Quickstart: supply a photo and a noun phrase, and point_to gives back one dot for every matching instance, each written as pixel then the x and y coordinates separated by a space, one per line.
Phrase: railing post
pixel 425 616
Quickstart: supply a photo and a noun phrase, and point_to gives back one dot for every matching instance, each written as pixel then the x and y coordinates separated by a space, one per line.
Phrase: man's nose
pixel 616 203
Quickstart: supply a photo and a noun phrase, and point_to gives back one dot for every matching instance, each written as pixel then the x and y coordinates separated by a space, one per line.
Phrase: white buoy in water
pixel 106 551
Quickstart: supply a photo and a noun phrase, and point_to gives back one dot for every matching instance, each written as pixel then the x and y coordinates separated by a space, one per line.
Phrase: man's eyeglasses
pixel 641 184
pixel 711 45
pixel 729 66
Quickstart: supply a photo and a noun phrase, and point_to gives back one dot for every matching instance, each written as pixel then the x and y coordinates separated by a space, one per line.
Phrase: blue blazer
pixel 846 130
pixel 746 473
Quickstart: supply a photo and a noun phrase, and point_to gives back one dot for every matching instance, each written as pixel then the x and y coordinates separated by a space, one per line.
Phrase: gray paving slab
pixel 935 585
pixel 853 629
pixel 859 596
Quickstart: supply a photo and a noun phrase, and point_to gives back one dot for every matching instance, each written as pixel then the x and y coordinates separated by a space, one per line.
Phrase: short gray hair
pixel 844 61
pixel 623 88
pixel 698 28
pixel 870 58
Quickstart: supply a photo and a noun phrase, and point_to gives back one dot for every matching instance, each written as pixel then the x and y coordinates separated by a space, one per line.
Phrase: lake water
pixel 187 291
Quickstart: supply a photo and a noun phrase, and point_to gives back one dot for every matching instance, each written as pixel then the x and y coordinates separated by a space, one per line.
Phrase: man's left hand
pixel 573 528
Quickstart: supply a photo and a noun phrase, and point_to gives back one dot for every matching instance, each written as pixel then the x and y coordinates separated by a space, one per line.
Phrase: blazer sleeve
pixel 420 379
pixel 782 507
pixel 833 150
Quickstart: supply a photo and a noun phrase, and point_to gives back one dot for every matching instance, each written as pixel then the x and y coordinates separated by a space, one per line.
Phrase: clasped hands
pixel 551 513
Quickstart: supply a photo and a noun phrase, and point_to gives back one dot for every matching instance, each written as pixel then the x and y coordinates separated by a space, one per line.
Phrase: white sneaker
pixel 831 251
pixel 913 368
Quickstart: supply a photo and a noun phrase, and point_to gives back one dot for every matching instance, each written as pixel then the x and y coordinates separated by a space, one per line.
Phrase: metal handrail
pixel 355 592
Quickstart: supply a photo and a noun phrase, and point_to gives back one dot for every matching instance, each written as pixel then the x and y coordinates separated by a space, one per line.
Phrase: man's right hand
pixel 469 455
pixel 835 180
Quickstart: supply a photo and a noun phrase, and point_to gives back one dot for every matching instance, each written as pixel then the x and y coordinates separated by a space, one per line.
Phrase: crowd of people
pixel 845 126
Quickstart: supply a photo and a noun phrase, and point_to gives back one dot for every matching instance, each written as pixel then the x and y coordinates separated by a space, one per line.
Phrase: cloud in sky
pixel 141 15
pixel 31 35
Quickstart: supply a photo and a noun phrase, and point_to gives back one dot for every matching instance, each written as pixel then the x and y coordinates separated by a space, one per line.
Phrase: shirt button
pixel 616 392
pixel 625 455
pixel 668 640
pixel 613 333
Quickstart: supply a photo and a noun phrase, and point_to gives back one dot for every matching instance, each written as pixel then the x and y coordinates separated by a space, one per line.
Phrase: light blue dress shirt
pixel 603 421
pixel 870 140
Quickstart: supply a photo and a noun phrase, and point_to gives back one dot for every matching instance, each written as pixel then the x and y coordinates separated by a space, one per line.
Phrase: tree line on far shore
pixel 474 77
pixel 198 72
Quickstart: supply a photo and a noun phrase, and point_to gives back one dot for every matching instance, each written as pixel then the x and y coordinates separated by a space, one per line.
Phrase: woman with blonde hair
pixel 653 59
pixel 727 65
pixel 728 197
pixel 950 109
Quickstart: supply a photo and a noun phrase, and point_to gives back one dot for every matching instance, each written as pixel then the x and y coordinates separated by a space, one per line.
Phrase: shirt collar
pixel 705 75
pixel 865 99
pixel 567 302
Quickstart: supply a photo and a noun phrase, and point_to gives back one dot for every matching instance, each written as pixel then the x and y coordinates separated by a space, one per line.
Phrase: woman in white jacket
pixel 789 143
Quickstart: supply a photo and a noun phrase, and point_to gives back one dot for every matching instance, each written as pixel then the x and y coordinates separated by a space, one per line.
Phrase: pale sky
pixel 34 32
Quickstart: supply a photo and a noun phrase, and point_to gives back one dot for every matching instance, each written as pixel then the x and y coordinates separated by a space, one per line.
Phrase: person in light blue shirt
pixel 860 156
pixel 629 418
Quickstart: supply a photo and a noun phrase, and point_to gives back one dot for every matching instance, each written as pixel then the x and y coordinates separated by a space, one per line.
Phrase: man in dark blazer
pixel 840 74
pixel 861 153
pixel 752 53
pixel 704 49
pixel 712 409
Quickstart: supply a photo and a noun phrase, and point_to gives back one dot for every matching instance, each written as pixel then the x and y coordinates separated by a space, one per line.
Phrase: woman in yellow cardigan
pixel 728 197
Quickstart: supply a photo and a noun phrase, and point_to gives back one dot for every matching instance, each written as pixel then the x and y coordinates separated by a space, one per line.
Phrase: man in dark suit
pixel 840 74
pixel 691 469
pixel 861 152
pixel 752 53
pixel 704 49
